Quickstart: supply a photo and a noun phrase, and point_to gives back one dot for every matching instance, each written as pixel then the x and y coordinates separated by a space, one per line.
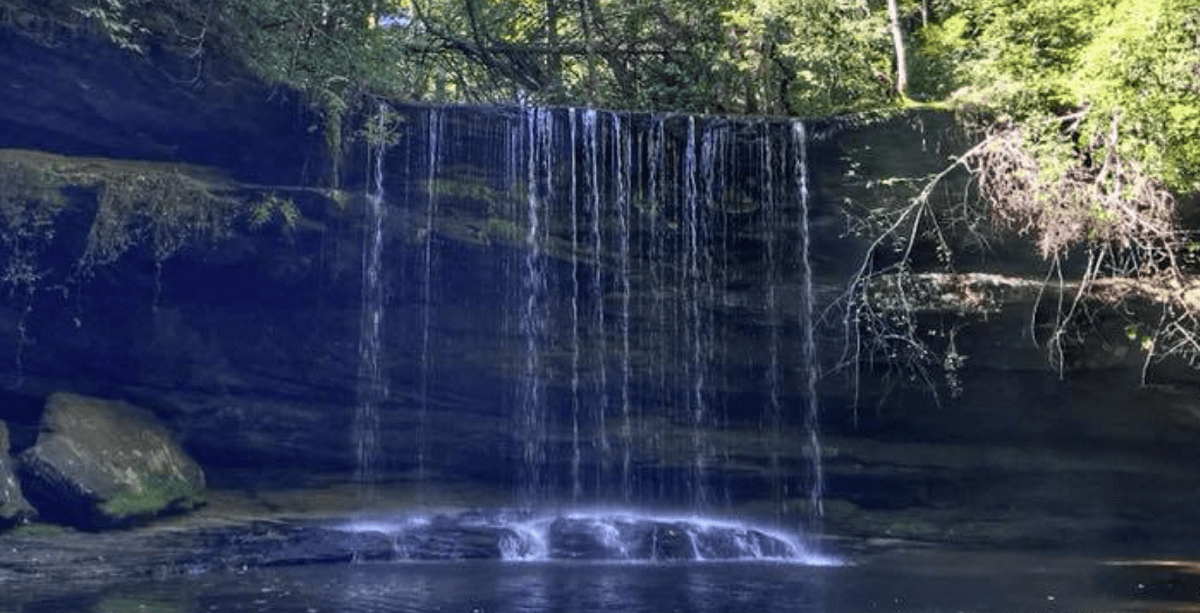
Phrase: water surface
pixel 922 580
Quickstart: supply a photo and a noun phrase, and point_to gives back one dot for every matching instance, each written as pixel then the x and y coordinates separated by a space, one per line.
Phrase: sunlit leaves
pixel 1143 69
pixel 1129 68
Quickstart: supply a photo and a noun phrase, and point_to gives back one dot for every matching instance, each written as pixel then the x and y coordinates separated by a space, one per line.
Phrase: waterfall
pixel 596 238
pixel 717 189
pixel 621 161
pixel 576 349
pixel 696 405
pixel 372 385
pixel 433 143
pixel 658 250
pixel 812 421
pixel 652 279
pixel 539 125
pixel 774 418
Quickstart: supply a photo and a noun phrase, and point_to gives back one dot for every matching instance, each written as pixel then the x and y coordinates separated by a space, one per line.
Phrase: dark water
pixel 913 581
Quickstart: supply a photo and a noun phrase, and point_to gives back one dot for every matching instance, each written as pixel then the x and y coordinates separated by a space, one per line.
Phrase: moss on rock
pixel 165 205
pixel 159 492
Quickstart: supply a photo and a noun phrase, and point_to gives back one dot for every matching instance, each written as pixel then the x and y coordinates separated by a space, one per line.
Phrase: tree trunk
pixel 553 60
pixel 898 41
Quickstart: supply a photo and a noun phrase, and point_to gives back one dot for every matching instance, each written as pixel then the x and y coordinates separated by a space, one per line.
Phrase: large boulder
pixel 13 506
pixel 103 463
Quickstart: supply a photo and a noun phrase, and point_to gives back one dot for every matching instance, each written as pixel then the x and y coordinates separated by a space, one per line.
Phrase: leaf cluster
pixel 1132 64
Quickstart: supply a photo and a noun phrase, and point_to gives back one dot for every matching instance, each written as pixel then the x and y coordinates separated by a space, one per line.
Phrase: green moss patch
pixel 40 530
pixel 158 494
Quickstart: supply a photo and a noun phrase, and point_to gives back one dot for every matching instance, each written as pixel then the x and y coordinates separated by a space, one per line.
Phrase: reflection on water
pixel 911 581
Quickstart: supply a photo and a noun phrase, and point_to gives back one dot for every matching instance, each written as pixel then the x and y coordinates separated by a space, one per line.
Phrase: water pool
pixel 899 579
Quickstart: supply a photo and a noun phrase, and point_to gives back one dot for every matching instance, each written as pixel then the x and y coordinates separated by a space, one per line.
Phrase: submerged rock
pixel 13 506
pixel 102 463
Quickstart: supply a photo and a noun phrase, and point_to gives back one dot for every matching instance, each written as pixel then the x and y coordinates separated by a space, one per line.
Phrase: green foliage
pixel 339 197
pixel 1028 43
pixel 167 209
pixel 1131 67
pixel 497 228
pixel 382 128
pixel 109 16
pixel 938 55
pixel 1140 75
pixel 273 208
pixel 831 56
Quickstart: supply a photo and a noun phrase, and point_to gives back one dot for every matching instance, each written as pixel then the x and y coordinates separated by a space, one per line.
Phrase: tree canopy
pixel 1088 85
pixel 1132 64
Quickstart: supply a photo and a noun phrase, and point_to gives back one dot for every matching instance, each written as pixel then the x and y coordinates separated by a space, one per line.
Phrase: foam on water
pixel 592 535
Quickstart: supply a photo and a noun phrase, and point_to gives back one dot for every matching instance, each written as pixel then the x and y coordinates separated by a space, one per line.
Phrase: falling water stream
pixel 621 160
pixel 773 422
pixel 372 385
pixel 812 418
pixel 531 399
pixel 695 397
pixel 427 279
pixel 596 237
pixel 576 349
pixel 658 274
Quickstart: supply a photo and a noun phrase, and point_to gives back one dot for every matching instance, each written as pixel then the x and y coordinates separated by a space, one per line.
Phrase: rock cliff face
pixel 72 92
pixel 152 256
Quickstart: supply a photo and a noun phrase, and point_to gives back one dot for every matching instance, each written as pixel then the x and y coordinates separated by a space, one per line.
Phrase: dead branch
pixel 1092 202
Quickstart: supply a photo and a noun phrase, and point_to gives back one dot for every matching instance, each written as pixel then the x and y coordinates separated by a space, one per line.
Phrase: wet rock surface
pixel 101 464
pixel 631 538
pixel 13 506
pixel 452 536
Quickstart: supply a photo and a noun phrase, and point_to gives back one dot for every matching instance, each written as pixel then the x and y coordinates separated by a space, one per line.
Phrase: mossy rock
pixel 101 463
